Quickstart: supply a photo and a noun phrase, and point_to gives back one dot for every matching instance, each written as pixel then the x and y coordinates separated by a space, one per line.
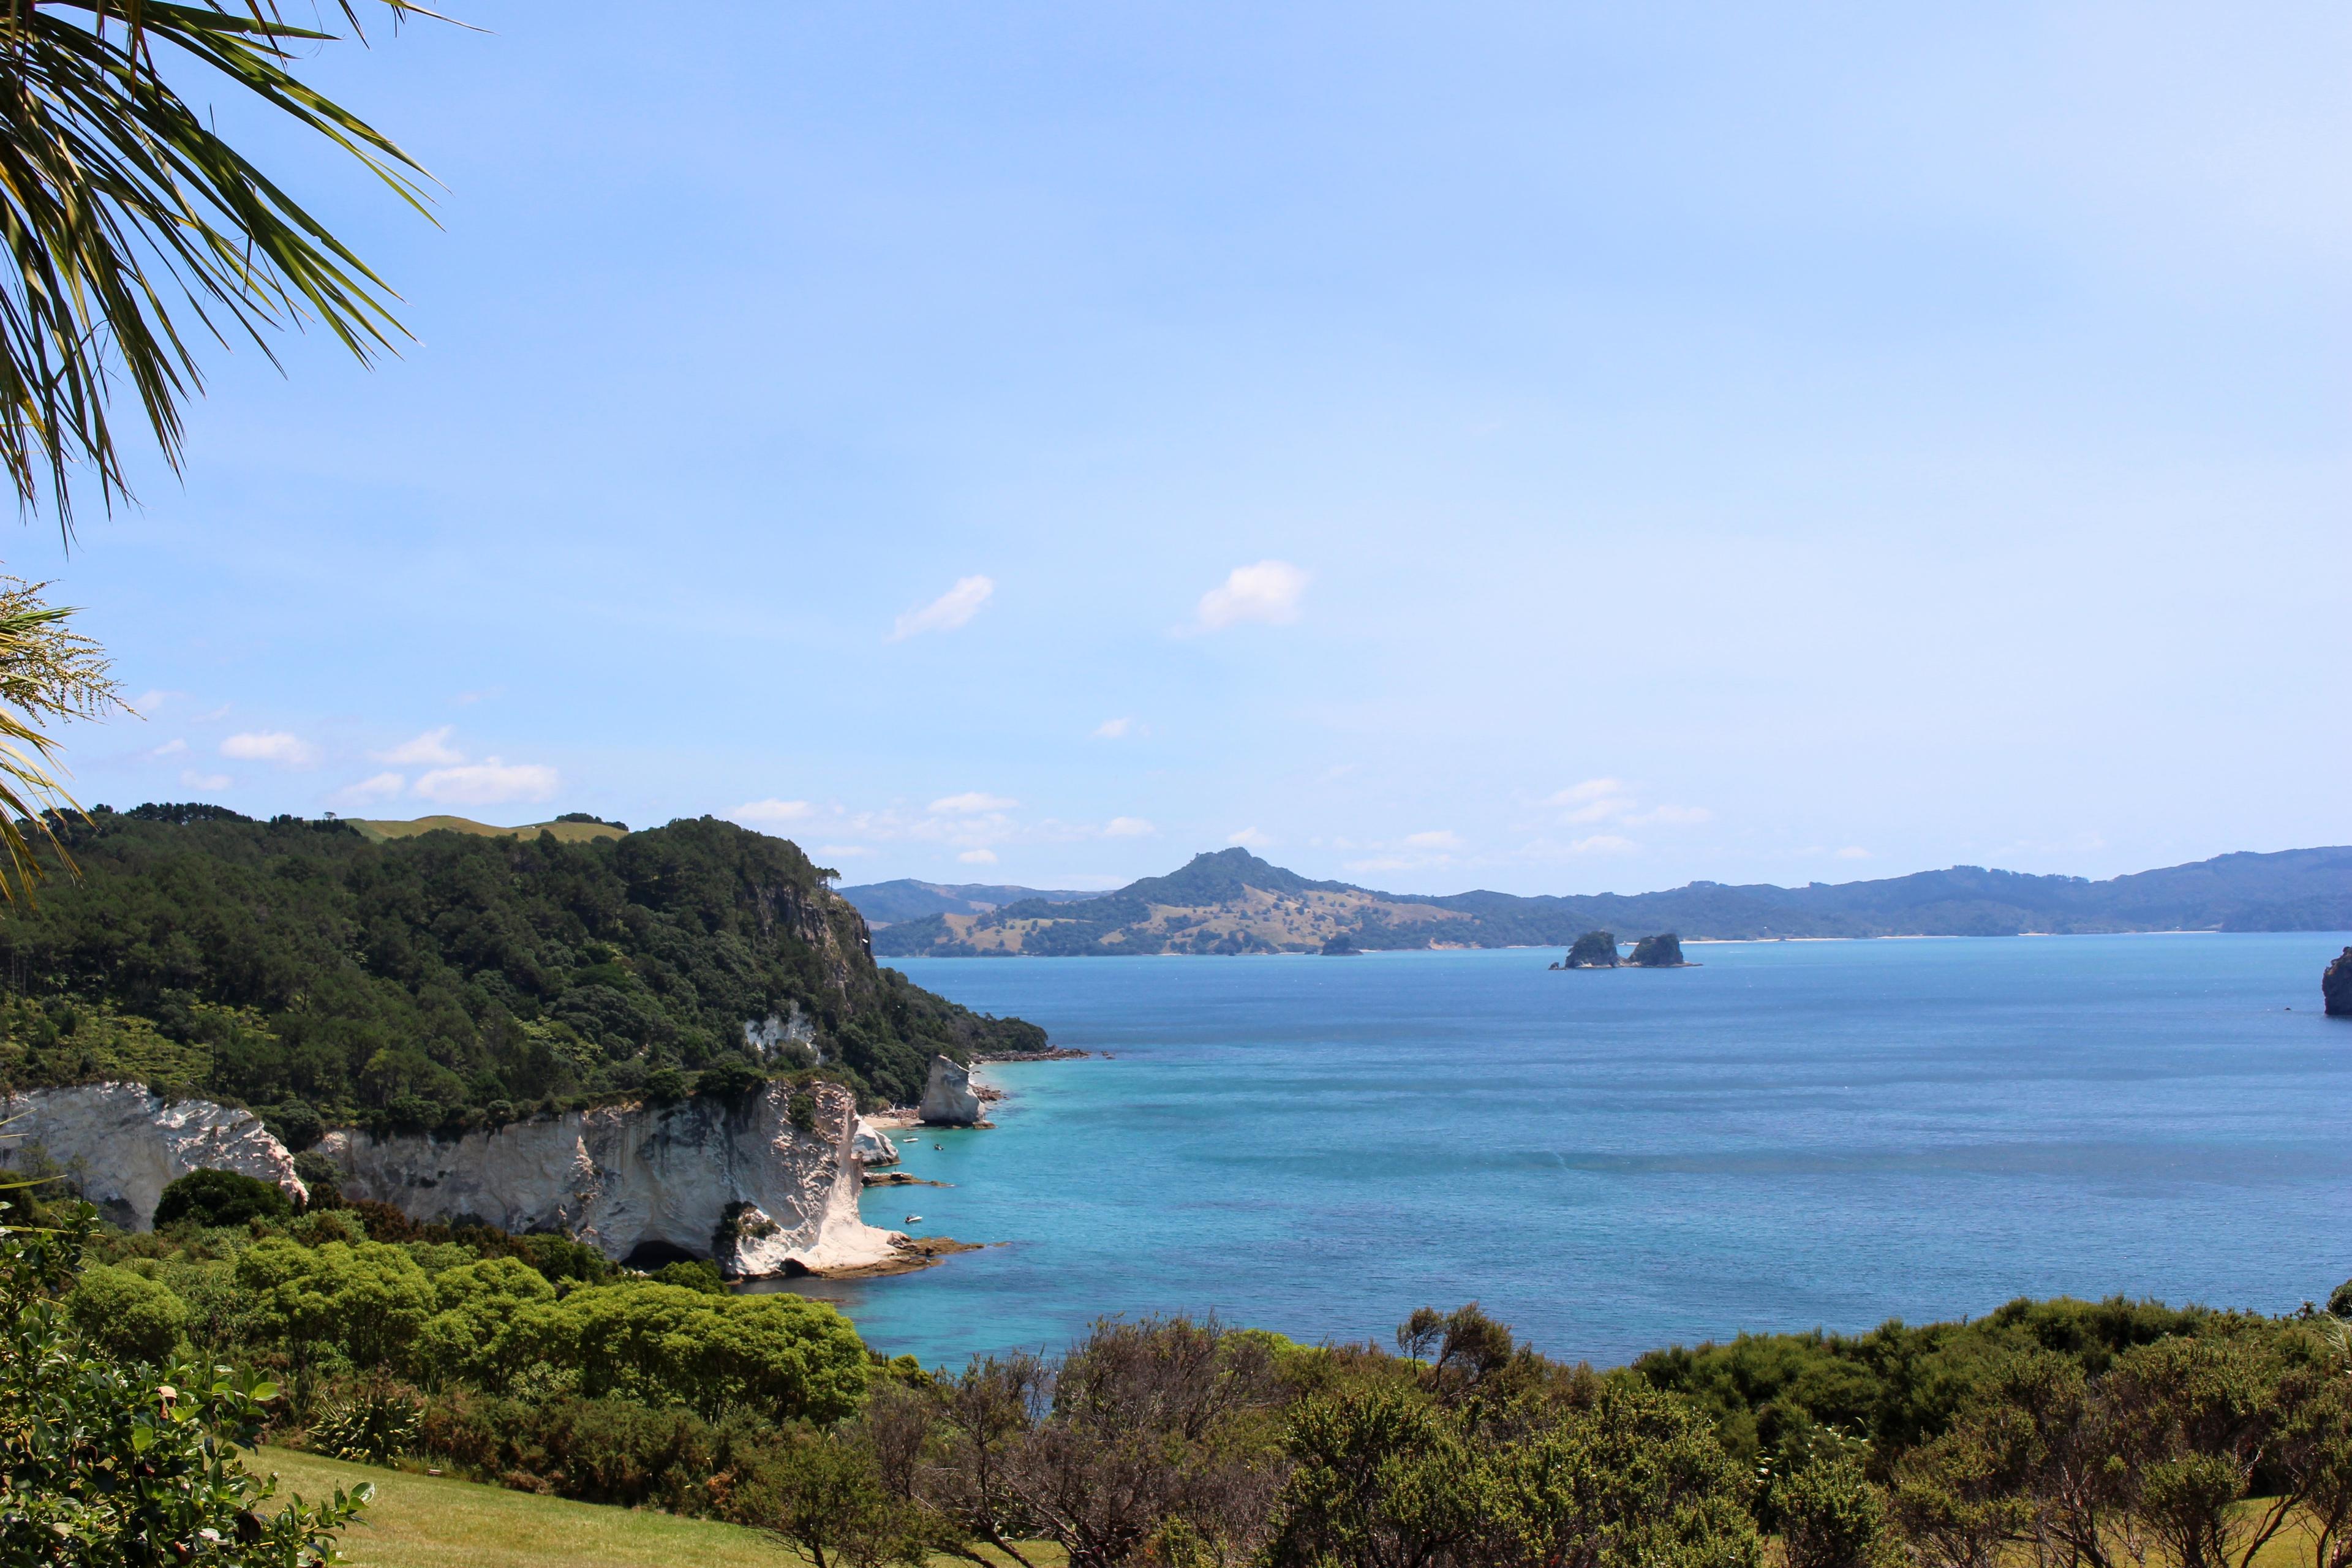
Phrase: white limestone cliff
pixel 123 1144
pixel 948 1097
pixel 730 1180
pixel 733 1181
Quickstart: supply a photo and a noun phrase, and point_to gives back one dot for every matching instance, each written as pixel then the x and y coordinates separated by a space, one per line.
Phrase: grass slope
pixel 430 1522
pixel 566 832
pixel 425 1522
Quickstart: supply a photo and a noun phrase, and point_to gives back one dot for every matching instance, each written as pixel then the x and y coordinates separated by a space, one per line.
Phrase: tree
pixel 212 1197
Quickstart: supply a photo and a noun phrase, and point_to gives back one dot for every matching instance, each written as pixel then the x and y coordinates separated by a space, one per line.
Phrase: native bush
pixel 221 1197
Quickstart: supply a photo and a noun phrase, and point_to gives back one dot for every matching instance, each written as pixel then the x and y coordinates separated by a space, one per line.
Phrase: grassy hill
pixel 431 1522
pixel 1232 901
pixel 426 1522
pixel 567 830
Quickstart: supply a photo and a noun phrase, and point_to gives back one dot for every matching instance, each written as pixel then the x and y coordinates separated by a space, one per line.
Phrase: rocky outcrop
pixel 731 1180
pixel 2336 986
pixel 872 1147
pixel 1593 950
pixel 948 1097
pixel 1661 952
pixel 123 1144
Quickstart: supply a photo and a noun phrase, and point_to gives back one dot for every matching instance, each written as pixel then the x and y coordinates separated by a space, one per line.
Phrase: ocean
pixel 1792 1134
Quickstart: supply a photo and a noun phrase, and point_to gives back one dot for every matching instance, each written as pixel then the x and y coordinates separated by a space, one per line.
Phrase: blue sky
pixel 1539 447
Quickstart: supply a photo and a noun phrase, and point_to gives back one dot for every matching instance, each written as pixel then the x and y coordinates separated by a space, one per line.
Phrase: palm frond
pixel 47 671
pixel 132 228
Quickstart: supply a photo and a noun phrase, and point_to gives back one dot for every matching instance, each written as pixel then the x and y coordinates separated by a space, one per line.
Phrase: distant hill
pixel 888 904
pixel 1232 901
pixel 574 828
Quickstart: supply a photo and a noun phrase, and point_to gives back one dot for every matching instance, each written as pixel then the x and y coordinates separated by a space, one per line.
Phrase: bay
pixel 1792 1134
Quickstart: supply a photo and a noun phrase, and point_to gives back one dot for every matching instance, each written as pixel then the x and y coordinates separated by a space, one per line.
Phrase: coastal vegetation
pixel 2101 1434
pixel 450 980
pixel 1233 902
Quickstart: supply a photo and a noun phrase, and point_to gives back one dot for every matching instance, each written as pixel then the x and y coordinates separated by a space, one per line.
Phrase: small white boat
pixel 913 1219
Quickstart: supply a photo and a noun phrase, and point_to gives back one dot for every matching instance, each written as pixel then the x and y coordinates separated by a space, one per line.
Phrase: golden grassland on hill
pixel 566 832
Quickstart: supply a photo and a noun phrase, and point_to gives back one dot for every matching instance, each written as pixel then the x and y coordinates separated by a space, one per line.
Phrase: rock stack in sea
pixel 1593 950
pixel 948 1097
pixel 1664 951
pixel 2336 986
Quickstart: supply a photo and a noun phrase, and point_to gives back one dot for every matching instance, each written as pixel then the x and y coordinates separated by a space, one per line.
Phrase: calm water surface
pixel 1794 1135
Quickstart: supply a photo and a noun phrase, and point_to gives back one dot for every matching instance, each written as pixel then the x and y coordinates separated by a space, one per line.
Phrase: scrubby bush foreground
pixel 2112 1434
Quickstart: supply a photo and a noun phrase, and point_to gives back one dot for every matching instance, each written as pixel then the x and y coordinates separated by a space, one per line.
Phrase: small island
pixel 2336 986
pixel 1593 950
pixel 1664 951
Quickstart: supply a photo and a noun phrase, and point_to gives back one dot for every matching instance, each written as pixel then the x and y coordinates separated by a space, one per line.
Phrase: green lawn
pixel 429 1522
pixel 424 1521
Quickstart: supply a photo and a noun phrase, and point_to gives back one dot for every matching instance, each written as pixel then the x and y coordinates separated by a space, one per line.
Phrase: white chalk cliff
pixel 122 1145
pixel 948 1097
pixel 730 1180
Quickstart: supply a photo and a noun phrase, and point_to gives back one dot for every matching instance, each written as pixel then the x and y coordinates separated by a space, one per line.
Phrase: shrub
pixel 221 1197
pixel 1832 1517
pixel 372 1422
pixel 126 1315
pixel 2339 1300
pixel 791 1358
pixel 368 1300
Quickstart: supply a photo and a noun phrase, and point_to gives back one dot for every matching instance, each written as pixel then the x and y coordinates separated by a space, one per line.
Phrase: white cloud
pixel 978 857
pixel 949 611
pixel 211 714
pixel 171 748
pixel 271 746
pixel 1114 728
pixel 1268 592
pixel 196 780
pixel 488 782
pixel 430 749
pixel 1590 790
pixel 1251 838
pixel 1854 852
pixel 382 786
pixel 1604 843
pixel 1128 827
pixel 972 803
pixel 771 811
pixel 1386 863
pixel 1612 800
pixel 1440 839
pixel 843 851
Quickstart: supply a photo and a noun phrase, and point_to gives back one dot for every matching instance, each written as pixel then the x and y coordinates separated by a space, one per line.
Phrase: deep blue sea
pixel 1792 1134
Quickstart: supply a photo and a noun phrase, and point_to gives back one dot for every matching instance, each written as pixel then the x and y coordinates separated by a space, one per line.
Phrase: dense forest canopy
pixel 439 980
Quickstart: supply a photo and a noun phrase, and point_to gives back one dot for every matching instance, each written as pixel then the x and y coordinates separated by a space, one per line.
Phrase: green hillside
pixel 446 979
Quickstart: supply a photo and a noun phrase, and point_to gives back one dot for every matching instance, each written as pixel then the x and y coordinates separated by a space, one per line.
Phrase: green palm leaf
pixel 132 229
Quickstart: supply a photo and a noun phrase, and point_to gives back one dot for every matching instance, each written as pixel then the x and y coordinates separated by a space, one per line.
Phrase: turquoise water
pixel 1794 1135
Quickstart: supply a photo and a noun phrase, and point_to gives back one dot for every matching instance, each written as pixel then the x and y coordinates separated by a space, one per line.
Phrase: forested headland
pixel 447 980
